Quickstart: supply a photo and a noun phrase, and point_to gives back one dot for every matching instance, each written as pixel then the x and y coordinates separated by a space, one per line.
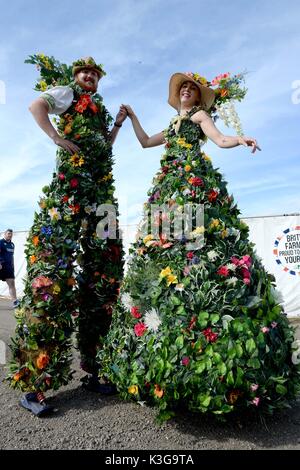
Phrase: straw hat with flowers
pixel 176 82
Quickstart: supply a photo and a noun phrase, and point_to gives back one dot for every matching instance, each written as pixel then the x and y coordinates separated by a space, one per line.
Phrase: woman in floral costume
pixel 198 324
pixel 63 235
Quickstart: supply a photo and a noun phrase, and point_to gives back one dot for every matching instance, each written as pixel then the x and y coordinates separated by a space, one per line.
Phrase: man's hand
pixel 128 109
pixel 121 116
pixel 66 144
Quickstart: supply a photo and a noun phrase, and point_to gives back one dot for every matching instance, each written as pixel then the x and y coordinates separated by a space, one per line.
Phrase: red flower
pixel 165 169
pixel 223 271
pixel 212 195
pixel 192 323
pixel 61 176
pixel 93 108
pixel 74 182
pixel 196 181
pixel 185 361
pixel 190 255
pixel 75 208
pixel 140 329
pixel 135 312
pixel 83 102
pixel 210 336
pixel 65 198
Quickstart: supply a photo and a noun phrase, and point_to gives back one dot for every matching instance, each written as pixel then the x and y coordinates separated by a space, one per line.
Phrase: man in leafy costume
pixel 199 325
pixel 72 273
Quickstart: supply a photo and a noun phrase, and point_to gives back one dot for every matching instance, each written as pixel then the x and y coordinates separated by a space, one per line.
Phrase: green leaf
pixel 250 345
pixel 222 369
pixel 179 342
pixel 214 318
pixel 200 367
pixel 281 389
pixel 204 400
pixel 230 378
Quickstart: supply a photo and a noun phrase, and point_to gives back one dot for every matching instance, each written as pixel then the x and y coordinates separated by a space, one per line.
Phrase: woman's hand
pixel 66 145
pixel 248 142
pixel 128 109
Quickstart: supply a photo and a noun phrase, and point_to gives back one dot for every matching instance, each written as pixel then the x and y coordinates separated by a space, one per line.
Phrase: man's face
pixel 8 236
pixel 87 79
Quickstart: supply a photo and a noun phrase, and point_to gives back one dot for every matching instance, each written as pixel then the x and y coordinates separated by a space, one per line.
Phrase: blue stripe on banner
pixel 276 242
pixel 293 272
pixel 286 231
pixel 278 261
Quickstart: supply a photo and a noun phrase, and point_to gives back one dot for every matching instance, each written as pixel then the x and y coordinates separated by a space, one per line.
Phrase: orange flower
pixel 158 391
pixel 77 136
pixel 17 376
pixel 68 129
pixel 35 240
pixel 233 396
pixel 224 92
pixel 42 361
pixel 33 259
pixel 71 281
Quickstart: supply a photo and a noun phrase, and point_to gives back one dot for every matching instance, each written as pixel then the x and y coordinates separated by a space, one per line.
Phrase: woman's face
pixel 88 79
pixel 189 94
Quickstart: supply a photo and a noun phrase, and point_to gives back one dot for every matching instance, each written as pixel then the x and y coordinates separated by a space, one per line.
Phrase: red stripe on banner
pixel 275 252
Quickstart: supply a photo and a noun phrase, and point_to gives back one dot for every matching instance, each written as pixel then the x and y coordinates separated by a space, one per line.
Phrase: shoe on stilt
pixel 35 402
pixel 92 384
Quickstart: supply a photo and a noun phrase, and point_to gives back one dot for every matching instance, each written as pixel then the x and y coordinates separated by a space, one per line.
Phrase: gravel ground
pixel 85 420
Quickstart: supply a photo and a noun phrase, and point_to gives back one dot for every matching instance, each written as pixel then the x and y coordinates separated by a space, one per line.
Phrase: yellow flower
pixel 206 157
pixel 107 177
pixel 147 239
pixel 56 289
pixel 76 160
pixel 198 231
pixel 42 203
pixel 54 214
pixel 187 167
pixel 43 85
pixel 67 218
pixel 181 141
pixel 166 272
pixel 171 279
pixel 214 223
pixel 188 146
pixel 224 233
pixel 133 389
pixel 33 259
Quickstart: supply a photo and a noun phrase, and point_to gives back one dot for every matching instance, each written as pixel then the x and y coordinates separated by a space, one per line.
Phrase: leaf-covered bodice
pixel 183 134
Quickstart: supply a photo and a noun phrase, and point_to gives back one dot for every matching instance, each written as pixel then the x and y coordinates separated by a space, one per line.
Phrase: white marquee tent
pixel 277 240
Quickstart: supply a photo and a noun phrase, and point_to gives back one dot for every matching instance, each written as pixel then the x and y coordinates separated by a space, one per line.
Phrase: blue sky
pixel 141 43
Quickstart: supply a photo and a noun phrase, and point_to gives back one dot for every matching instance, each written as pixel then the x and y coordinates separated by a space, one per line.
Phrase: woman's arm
pixel 40 109
pixel 144 139
pixel 223 141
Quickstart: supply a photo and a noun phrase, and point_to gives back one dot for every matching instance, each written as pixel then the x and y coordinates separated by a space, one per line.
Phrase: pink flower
pixel 253 387
pixel 186 270
pixel 235 260
pixel 256 401
pixel 265 329
pixel 223 271
pixel 246 281
pixel 135 312
pixel 273 324
pixel 185 361
pixel 61 176
pixel 247 260
pixel 140 329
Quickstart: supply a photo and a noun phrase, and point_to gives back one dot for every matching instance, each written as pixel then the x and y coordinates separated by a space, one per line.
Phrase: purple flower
pixel 46 230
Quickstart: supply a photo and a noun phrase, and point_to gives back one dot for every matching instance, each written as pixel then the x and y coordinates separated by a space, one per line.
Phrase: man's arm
pixel 120 118
pixel 40 111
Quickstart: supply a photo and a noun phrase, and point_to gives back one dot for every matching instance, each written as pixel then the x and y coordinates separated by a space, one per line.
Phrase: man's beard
pixel 87 86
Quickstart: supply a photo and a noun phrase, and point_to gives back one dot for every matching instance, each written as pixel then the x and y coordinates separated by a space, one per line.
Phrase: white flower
pixel 212 255
pixel 126 300
pixel 231 266
pixel 89 209
pixel 278 297
pixel 186 191
pixel 231 281
pixel 152 320
pixel 296 353
pixel 179 287
pixel 226 319
pixel 228 114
